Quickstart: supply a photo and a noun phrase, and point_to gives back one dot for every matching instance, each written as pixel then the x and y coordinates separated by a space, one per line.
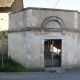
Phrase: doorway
pixel 52 52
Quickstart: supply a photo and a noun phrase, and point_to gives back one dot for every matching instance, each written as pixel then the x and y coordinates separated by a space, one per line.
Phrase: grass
pixel 11 66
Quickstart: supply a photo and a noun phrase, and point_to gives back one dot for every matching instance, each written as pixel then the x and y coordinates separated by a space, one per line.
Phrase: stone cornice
pixel 44 29
pixel 51 9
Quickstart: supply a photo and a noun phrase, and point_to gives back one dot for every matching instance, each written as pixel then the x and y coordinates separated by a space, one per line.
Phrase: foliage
pixel 11 66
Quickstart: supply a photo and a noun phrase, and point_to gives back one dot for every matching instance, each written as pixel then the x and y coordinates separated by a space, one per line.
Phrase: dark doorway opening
pixel 52 53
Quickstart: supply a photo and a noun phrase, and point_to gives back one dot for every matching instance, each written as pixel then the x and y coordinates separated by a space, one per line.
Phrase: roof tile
pixel 6 3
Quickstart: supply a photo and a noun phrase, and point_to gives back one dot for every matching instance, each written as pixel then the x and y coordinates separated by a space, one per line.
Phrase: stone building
pixel 7 6
pixel 42 37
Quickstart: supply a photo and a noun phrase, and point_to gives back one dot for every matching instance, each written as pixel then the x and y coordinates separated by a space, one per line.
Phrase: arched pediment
pixel 52 22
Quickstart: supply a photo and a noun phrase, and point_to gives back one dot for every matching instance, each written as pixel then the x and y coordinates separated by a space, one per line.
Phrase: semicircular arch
pixel 55 19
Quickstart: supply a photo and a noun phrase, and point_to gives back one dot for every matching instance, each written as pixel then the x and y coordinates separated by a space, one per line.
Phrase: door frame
pixel 63 47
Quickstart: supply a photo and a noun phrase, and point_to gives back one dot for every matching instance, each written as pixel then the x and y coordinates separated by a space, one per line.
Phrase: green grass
pixel 11 66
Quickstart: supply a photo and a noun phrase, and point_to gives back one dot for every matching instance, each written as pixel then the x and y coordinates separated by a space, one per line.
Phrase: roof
pixel 52 9
pixel 6 3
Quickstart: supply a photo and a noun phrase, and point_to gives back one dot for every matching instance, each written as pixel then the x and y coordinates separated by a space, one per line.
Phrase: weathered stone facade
pixel 7 6
pixel 30 27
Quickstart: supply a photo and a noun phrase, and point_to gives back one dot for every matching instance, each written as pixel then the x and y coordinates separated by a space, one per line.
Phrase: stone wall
pixel 4 24
pixel 27 32
pixel 31 54
pixel 17 5
pixel 35 17
pixel 4 21
pixel 17 47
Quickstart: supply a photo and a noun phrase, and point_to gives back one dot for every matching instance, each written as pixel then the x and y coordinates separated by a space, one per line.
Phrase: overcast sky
pixel 63 4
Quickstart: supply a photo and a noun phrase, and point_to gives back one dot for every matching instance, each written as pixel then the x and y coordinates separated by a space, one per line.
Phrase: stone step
pixel 55 70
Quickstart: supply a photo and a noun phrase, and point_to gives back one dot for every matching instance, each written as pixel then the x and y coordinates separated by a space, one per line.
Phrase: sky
pixel 63 4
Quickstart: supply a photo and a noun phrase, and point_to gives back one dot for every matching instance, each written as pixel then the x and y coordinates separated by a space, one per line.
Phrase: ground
pixel 69 74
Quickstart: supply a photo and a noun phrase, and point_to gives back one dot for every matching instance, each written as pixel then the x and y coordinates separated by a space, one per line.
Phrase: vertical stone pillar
pixel 29 17
pixel 63 54
pixel 42 51
pixel 76 20
pixel 28 43
pixel 75 50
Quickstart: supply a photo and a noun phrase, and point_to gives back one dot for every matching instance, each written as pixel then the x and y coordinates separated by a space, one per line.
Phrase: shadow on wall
pixel 5 42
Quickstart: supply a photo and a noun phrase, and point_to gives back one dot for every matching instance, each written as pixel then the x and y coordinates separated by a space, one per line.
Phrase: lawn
pixel 11 66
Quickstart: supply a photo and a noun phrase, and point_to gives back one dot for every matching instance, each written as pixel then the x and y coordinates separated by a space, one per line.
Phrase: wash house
pixel 43 37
